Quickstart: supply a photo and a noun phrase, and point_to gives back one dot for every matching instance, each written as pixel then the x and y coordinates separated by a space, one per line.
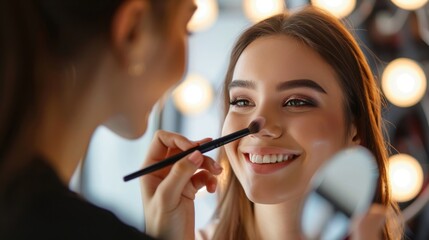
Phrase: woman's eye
pixel 298 103
pixel 240 103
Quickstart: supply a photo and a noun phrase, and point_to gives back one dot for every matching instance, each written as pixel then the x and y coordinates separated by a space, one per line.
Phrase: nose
pixel 270 129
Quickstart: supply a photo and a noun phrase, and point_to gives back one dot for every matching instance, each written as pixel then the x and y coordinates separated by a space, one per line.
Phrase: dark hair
pixel 335 44
pixel 36 38
pixel 33 36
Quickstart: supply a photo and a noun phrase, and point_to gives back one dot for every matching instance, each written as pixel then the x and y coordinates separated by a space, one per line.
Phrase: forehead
pixel 280 58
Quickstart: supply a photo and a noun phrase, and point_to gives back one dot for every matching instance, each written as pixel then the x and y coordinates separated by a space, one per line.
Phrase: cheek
pixel 231 124
pixel 228 127
pixel 317 130
pixel 234 122
pixel 320 137
pixel 177 62
pixel 167 66
pixel 174 64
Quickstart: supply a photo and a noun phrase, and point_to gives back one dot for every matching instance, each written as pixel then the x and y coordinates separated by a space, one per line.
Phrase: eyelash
pixel 237 101
pixel 295 101
pixel 299 102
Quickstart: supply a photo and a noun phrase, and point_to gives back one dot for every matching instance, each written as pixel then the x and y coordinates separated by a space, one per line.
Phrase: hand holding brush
pixel 253 127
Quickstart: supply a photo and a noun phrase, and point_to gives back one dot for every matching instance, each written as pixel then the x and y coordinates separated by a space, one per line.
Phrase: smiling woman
pixel 305 74
pixel 303 119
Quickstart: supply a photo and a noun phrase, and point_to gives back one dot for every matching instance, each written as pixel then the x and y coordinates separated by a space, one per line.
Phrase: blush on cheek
pixel 330 128
pixel 228 125
pixel 323 149
pixel 234 122
pixel 320 151
pixel 320 141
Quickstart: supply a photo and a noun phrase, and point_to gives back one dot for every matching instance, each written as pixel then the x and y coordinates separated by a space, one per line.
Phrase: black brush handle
pixel 222 140
pixel 202 148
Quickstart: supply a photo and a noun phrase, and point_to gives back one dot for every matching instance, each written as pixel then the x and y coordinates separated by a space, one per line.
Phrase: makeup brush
pixel 253 127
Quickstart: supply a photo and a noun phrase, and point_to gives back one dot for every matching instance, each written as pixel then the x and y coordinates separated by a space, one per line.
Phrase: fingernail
pixel 217 166
pixel 213 187
pixel 195 158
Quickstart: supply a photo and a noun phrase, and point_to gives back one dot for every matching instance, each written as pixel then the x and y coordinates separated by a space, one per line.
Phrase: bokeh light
pixel 205 15
pixel 339 8
pixel 409 4
pixel 193 96
pixel 405 177
pixel 256 10
pixel 403 82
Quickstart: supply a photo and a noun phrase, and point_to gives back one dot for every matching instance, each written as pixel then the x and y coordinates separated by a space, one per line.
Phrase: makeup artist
pixel 67 67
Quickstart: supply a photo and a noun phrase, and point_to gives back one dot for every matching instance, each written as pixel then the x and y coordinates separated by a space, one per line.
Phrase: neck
pixel 274 220
pixel 63 142
pixel 67 128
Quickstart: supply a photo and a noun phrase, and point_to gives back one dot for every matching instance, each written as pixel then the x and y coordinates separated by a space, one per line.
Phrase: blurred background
pixel 394 34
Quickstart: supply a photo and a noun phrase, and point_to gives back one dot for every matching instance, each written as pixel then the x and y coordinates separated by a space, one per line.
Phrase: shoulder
pixel 71 218
pixel 39 205
pixel 207 232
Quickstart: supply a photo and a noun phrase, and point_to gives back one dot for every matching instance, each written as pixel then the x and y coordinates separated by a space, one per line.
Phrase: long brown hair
pixel 336 45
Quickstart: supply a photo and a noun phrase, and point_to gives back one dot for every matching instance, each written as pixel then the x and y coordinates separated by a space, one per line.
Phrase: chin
pixel 128 133
pixel 272 196
pixel 260 199
pixel 125 129
pixel 263 197
pixel 136 134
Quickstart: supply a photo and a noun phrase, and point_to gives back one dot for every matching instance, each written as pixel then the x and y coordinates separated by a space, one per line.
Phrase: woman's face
pixel 298 94
pixel 164 66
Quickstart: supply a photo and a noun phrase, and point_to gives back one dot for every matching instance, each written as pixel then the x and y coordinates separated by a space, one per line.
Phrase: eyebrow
pixel 242 84
pixel 296 83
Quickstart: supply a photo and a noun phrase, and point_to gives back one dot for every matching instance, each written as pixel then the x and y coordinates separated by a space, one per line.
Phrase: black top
pixel 37 205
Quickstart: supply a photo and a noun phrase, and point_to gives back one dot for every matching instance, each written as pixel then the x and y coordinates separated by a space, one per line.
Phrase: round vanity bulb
pixel 405 177
pixel 409 4
pixel 339 8
pixel 193 95
pixel 257 10
pixel 205 15
pixel 403 82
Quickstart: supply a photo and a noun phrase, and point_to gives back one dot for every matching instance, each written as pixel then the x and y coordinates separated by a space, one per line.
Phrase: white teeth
pixel 258 159
pixel 269 158
pixel 273 158
pixel 266 159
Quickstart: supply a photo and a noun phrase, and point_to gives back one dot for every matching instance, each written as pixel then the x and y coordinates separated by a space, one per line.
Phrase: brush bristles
pixel 256 125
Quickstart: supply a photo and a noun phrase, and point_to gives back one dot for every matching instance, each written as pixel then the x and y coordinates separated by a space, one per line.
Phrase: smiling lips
pixel 269 163
pixel 270 158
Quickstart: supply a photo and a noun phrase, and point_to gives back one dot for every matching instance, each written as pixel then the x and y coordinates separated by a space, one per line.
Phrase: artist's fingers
pixel 163 142
pixel 211 165
pixel 370 225
pixel 171 188
pixel 175 150
pixel 201 179
pixel 205 179
pixel 202 141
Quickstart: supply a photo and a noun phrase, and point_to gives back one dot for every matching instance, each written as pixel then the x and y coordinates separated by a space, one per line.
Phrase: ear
pixel 354 136
pixel 127 27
